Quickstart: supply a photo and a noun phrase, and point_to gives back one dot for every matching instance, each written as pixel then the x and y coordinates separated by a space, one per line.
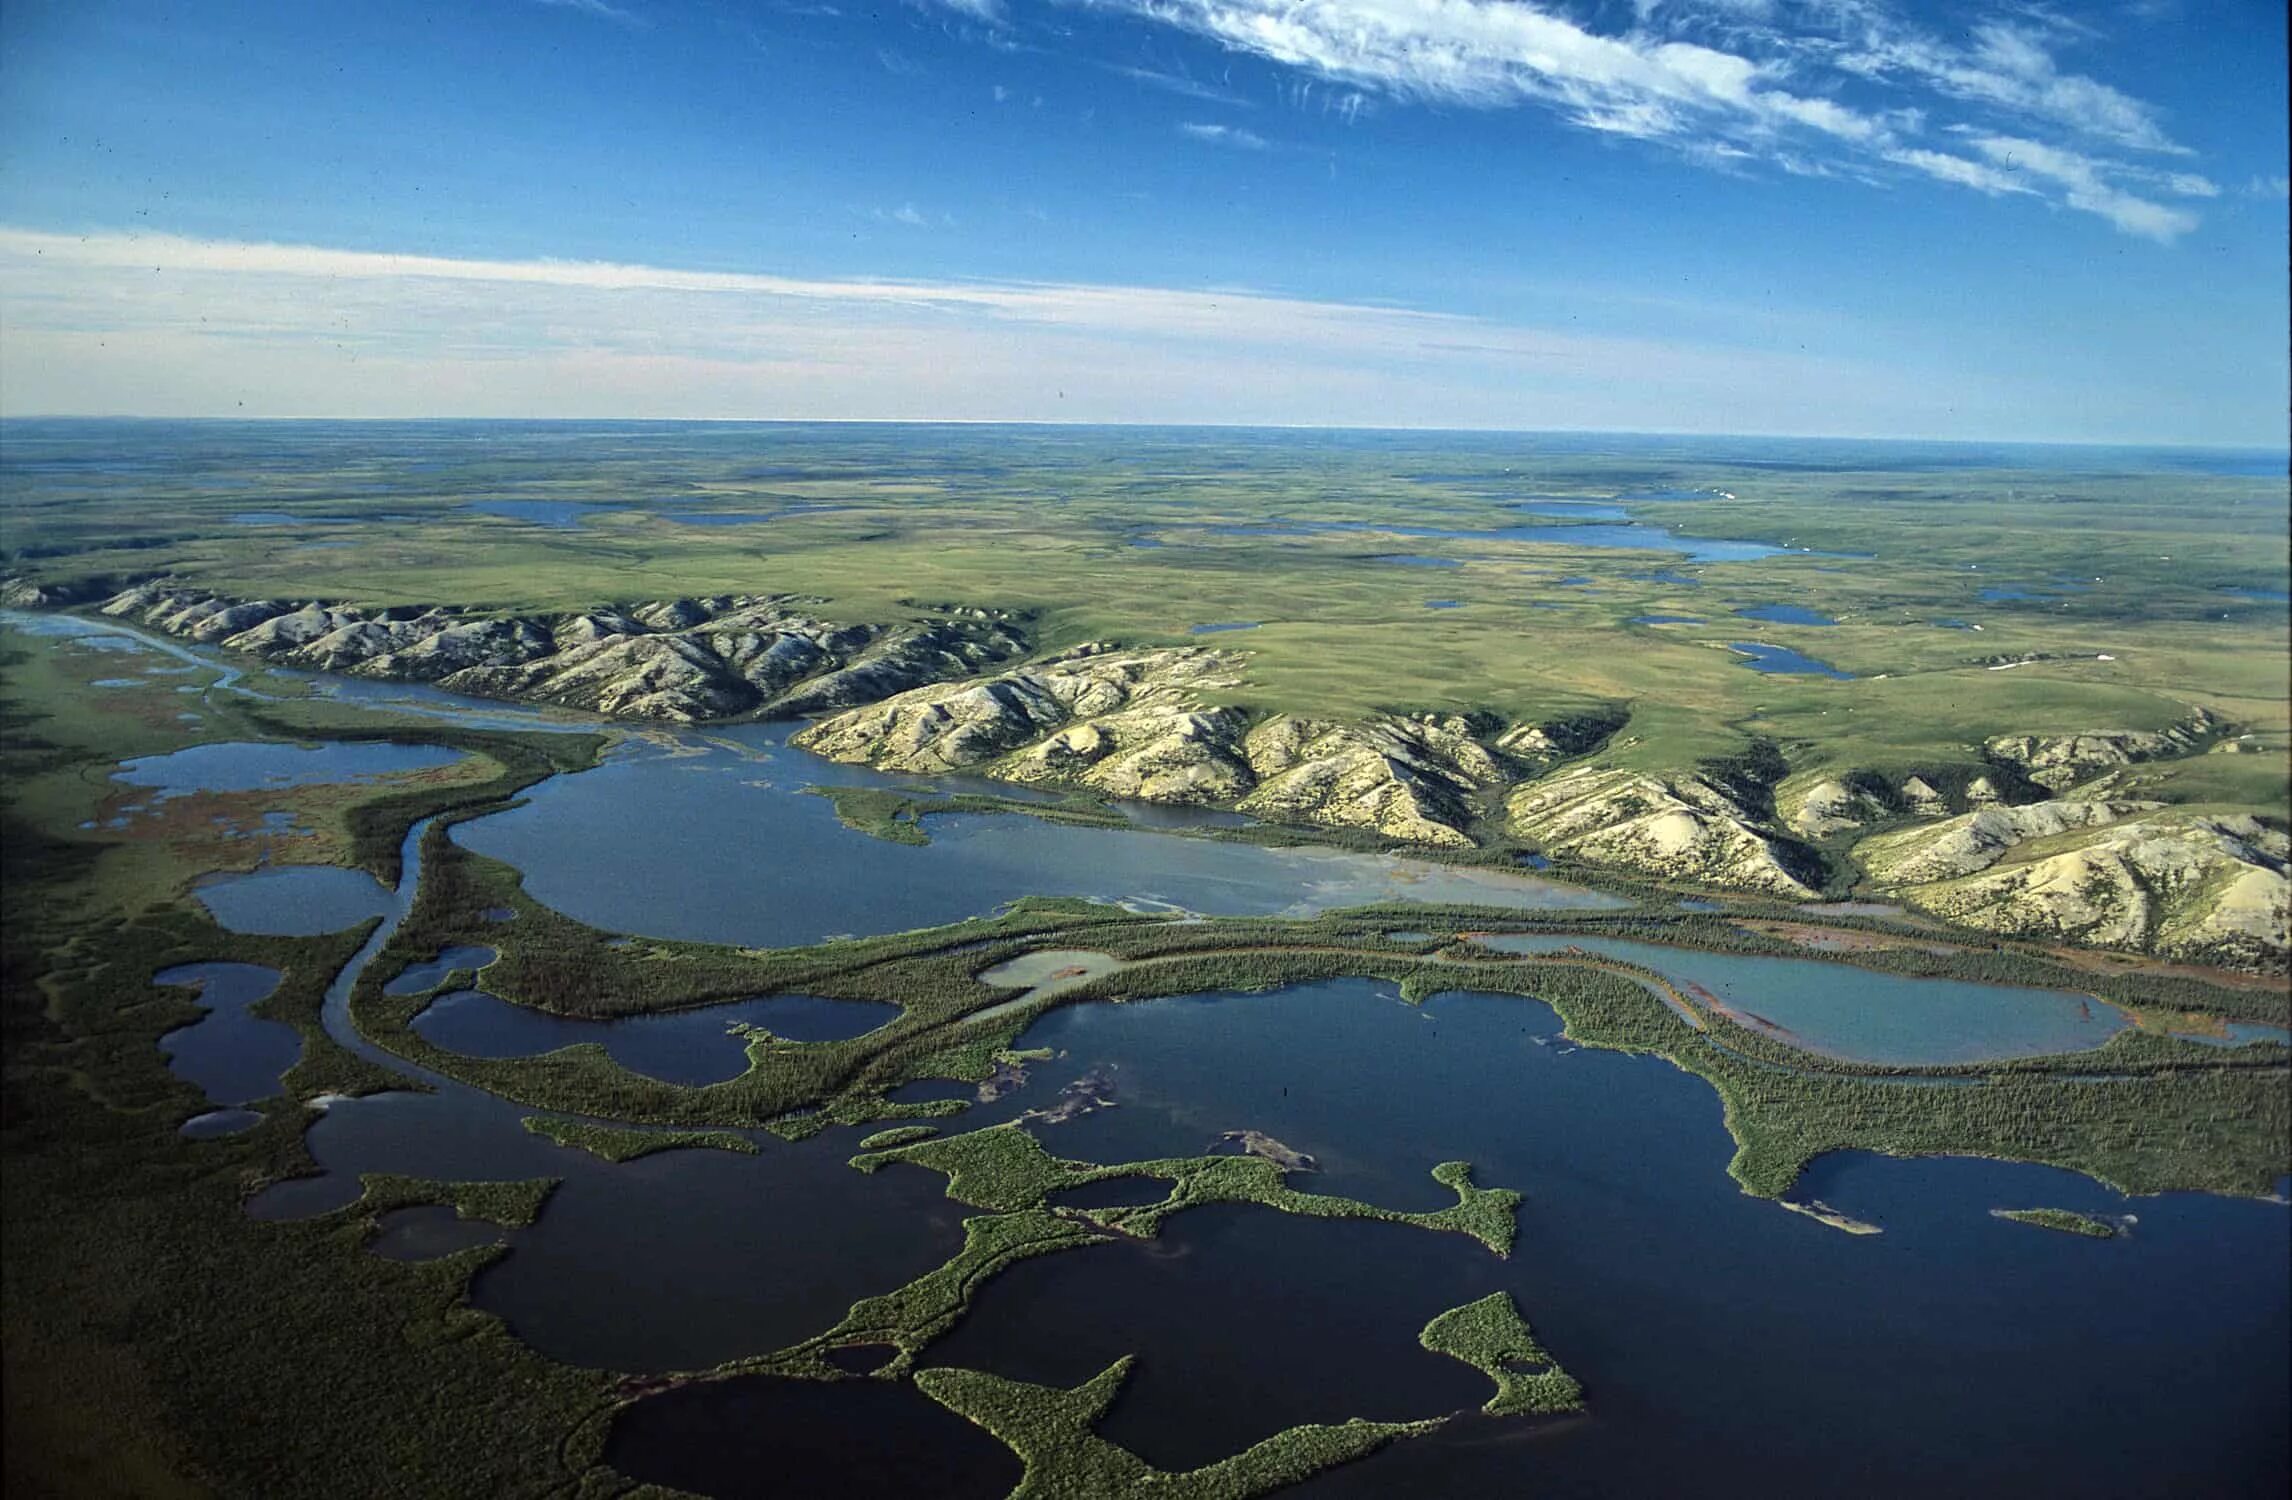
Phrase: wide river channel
pixel 1725 1346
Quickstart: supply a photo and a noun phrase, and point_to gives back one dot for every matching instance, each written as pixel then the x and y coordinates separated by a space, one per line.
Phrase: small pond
pixel 429 1231
pixel 1785 614
pixel 1783 661
pixel 293 900
pixel 1221 627
pixel 233 1056
pixel 561 515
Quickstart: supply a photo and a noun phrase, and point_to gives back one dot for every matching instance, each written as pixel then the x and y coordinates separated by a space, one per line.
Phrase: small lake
pixel 243 766
pixel 1785 614
pixel 293 900
pixel 662 840
pixel 561 515
pixel 1219 629
pixel 234 1057
pixel 429 1231
pixel 1864 1014
pixel 1444 604
pixel 694 1047
pixel 1784 661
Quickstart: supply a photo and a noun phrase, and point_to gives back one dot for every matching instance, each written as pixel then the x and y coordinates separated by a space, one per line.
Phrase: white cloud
pixel 599 9
pixel 1958 169
pixel 2084 186
pixel 1224 135
pixel 173 326
pixel 2269 187
pixel 1726 83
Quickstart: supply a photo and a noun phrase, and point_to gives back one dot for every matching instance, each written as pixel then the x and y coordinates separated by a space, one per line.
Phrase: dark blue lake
pixel 1713 1331
pixel 234 1057
pixel 293 900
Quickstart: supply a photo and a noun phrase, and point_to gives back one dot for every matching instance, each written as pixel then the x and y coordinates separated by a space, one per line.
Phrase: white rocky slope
pixel 2060 761
pixel 1136 724
pixel 2179 882
pixel 1678 827
pixel 720 657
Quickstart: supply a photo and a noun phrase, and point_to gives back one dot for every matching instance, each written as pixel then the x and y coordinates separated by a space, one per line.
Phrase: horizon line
pixel 2159 445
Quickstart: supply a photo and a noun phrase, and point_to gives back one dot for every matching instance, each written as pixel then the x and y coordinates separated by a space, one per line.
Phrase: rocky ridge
pixel 1697 827
pixel 940 692
pixel 2179 882
pixel 1137 724
pixel 683 660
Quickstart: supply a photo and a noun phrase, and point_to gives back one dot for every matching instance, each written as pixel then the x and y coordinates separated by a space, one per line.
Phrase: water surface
pixel 248 766
pixel 1786 614
pixel 664 839
pixel 1864 1014
pixel 293 900
pixel 234 1057
pixel 694 1047
pixel 1784 661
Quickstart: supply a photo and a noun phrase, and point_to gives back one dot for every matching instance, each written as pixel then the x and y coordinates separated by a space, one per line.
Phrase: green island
pixel 2061 1220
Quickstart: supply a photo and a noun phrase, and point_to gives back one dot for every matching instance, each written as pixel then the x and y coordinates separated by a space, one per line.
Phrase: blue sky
pixel 1836 216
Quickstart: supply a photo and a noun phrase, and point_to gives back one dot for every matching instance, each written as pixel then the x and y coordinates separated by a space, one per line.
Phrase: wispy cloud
pixel 1225 135
pixel 599 9
pixel 164 325
pixel 1179 83
pixel 1818 87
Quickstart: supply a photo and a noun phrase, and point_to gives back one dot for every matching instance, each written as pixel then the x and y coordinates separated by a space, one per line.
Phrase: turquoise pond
pixel 1863 1014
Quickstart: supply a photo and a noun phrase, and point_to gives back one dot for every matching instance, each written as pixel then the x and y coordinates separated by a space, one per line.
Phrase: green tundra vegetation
pixel 2062 1220
pixel 1491 1336
pixel 147 1314
pixel 618 1143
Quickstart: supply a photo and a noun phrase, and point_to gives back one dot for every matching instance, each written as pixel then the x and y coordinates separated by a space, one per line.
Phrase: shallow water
pixel 1784 661
pixel 694 1047
pixel 428 1231
pixel 1786 614
pixel 1221 628
pixel 216 1123
pixel 663 840
pixel 556 514
pixel 249 767
pixel 234 1057
pixel 293 900
pixel 1864 1014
